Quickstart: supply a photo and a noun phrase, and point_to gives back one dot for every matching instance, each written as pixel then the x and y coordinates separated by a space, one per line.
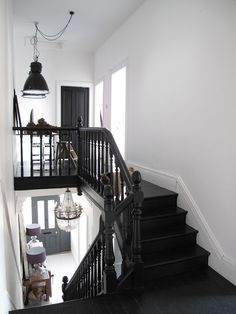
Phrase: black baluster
pixel 117 183
pixel 21 154
pixel 91 141
pixel 102 161
pixel 50 153
pixel 99 280
pixel 95 160
pixel 106 156
pixel 69 151
pixel 95 271
pixel 111 169
pixel 99 164
pixel 136 240
pixel 60 153
pixel 109 273
pixel 31 155
pixel 41 154
pixel 121 187
pixel 92 274
pixel 80 146
pixel 89 158
pixel 87 278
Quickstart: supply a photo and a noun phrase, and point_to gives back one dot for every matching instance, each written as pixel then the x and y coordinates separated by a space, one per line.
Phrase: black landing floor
pixel 201 293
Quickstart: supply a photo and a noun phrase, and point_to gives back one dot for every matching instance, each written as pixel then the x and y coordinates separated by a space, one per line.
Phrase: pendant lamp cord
pixel 34 39
pixel 34 42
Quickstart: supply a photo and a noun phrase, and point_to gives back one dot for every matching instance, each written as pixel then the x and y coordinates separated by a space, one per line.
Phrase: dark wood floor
pixel 207 293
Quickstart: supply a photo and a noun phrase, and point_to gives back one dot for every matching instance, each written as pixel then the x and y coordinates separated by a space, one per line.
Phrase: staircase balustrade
pixel 101 166
pixel 97 162
pixel 46 151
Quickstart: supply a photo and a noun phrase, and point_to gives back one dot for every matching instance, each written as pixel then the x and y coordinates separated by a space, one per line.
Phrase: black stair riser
pixel 152 204
pixel 185 240
pixel 162 223
pixel 176 268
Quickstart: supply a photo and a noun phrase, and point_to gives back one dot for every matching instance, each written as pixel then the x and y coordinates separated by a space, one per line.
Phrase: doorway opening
pixel 54 240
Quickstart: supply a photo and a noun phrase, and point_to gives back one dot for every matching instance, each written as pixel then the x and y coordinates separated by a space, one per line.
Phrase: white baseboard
pixel 218 260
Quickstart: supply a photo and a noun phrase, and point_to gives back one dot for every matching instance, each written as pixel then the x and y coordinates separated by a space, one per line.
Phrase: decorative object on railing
pixel 42 124
pixel 35 85
pixel 68 213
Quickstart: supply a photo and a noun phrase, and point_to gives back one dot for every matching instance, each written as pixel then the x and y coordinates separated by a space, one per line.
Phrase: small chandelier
pixel 68 213
pixel 36 86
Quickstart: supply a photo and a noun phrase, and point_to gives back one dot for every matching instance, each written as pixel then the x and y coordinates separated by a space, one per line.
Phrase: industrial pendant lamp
pixel 35 85
pixel 68 213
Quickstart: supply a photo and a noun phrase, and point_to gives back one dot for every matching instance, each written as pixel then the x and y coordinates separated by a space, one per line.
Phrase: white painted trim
pixel 59 84
pixel 218 260
pixel 9 230
pixel 161 178
pixel 11 301
pixel 186 200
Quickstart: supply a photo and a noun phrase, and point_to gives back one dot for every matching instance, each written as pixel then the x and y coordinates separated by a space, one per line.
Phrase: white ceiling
pixel 93 22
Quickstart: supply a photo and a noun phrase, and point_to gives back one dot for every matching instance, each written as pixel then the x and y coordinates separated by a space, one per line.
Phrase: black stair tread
pixel 168 233
pixel 163 212
pixel 173 256
pixel 151 190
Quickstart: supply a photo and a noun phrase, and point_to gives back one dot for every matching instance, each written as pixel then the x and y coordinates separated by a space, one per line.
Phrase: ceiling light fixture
pixel 68 213
pixel 35 85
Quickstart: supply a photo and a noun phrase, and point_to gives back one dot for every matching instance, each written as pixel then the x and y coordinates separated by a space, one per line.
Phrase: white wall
pixel 181 101
pixel 84 235
pixel 59 64
pixel 10 288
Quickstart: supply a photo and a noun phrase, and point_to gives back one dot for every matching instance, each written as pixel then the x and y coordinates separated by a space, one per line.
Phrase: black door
pixel 54 240
pixel 74 104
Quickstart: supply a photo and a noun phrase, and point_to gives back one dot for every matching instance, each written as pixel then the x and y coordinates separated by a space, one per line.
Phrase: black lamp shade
pixel 35 85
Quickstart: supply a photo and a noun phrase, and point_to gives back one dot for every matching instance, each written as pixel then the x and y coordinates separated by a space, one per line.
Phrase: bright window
pixel 118 104
pixel 98 104
pixel 41 214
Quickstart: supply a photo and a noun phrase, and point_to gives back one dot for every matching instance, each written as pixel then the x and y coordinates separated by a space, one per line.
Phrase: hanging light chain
pixel 34 42
pixel 57 35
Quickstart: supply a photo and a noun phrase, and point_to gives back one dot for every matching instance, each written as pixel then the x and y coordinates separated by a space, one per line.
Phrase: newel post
pixel 136 238
pixel 63 287
pixel 109 273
